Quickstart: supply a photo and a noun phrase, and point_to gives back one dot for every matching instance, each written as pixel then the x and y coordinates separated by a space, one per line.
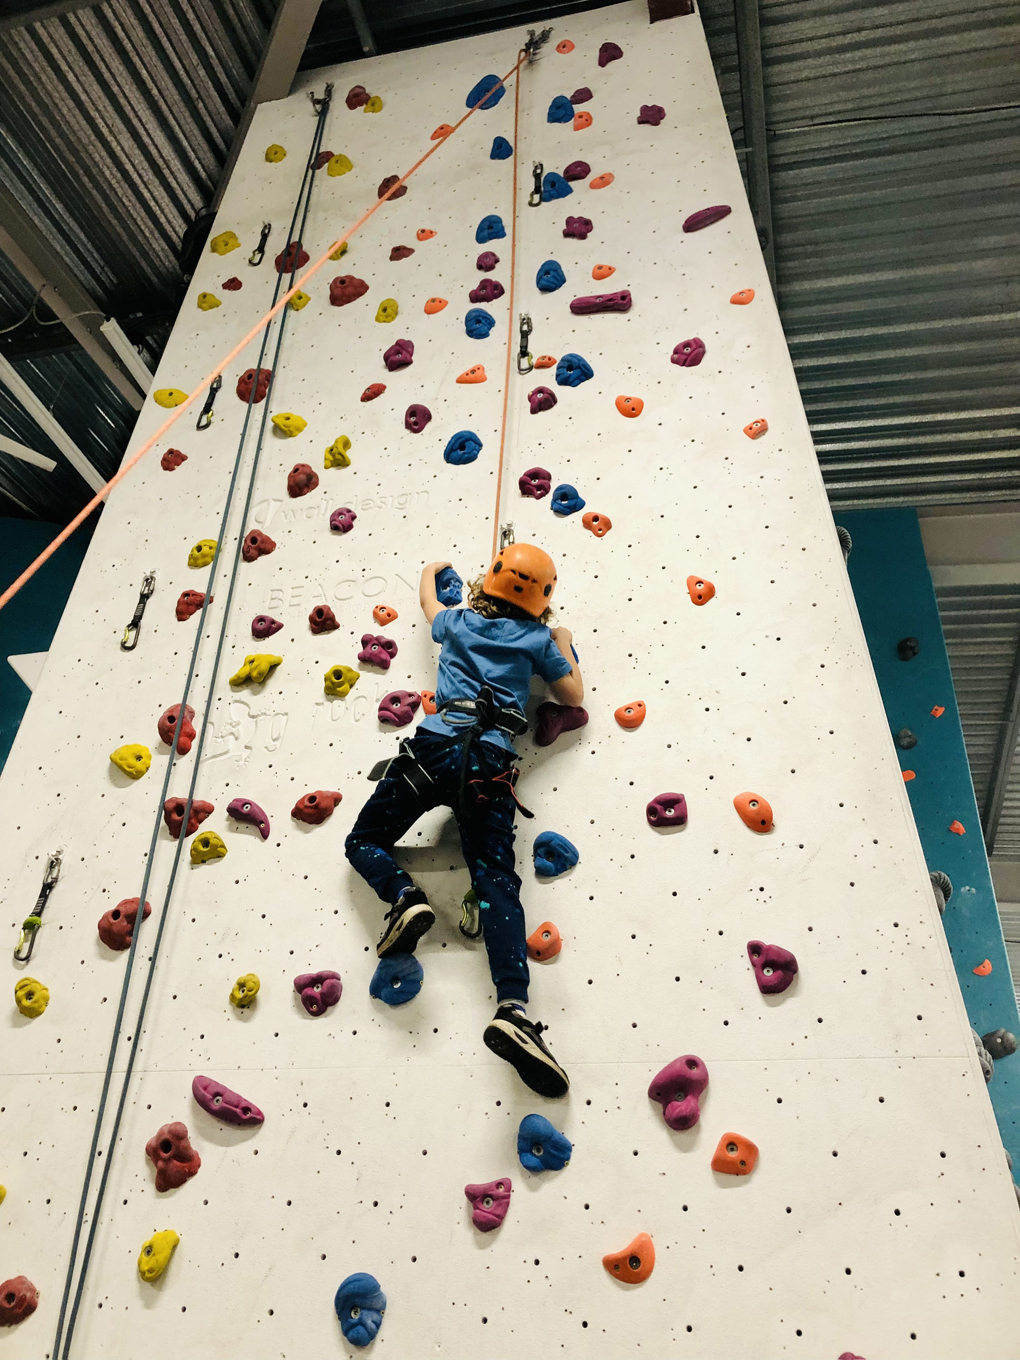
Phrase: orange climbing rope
pixel 208 380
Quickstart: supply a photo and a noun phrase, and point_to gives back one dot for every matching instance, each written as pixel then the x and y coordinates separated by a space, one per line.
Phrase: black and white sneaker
pixel 406 923
pixel 517 1040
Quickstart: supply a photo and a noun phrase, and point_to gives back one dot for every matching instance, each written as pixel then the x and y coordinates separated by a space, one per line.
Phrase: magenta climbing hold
pixel 318 991
pixel 173 815
pixel 301 479
pixel 577 170
pixel 399 355
pixel 168 724
pixel 688 353
pixel 264 626
pixel 315 807
pixel 667 809
pixel 555 719
pixel 487 261
pixel 678 1088
pixel 171 1153
pixel 704 217
pixel 257 378
pixel 224 1104
pixel 294 256
pixel 487 291
pixel 377 650
pixel 489 1203
pixel 244 810
pixel 536 483
pixel 398 708
pixel 256 545
pixel 578 227
pixel 581 96
pixel 401 252
pixel 602 302
pixel 541 399
pixel 117 926
pixel 322 620
pixel 372 391
pixel 774 967
pixel 188 603
pixel 342 520
pixel 346 288
pixel 416 417
pixel 172 460
pixel 652 114
pixel 609 51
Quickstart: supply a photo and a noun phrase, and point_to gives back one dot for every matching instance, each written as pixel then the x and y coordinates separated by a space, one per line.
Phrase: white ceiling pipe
pixel 21 391
pixel 127 354
pixel 26 454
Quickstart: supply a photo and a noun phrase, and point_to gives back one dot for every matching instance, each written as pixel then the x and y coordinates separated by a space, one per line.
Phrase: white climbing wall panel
pixel 880 1219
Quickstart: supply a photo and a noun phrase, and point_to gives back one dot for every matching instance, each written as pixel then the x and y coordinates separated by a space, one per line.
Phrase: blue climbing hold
pixel 554 186
pixel 490 85
pixel 565 500
pixel 572 371
pixel 490 228
pixel 449 586
pixel 396 980
pixel 550 276
pixel 541 1146
pixel 478 323
pixel 560 110
pixel 554 854
pixel 360 1305
pixel 463 447
pixel 501 150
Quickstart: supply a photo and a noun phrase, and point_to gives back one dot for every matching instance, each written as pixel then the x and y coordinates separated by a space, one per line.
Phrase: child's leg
pixel 487 839
pixel 391 810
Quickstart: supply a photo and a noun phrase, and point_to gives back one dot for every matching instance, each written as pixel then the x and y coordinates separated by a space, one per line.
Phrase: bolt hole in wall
pixel 378 1118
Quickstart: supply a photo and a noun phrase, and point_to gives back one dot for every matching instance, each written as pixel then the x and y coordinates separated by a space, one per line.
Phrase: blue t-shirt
pixel 501 653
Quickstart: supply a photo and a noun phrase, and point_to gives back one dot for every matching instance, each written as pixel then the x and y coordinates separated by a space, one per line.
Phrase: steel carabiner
pixel 129 641
pixel 506 534
pixel 205 418
pixel 535 197
pixel 524 353
pixel 30 925
pixel 258 253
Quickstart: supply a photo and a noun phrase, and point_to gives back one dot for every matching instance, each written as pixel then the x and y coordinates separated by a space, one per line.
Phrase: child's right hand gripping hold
pixel 569 690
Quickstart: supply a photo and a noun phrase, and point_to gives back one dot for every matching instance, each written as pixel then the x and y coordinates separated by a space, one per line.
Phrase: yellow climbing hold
pixel 299 300
pixel 256 668
pixel 155 1254
pixel 275 153
pixel 374 104
pixel 169 396
pixel 3 1193
pixel 339 165
pixel 31 997
pixel 202 553
pixel 289 424
pixel 339 680
pixel 208 846
pixel 244 991
pixel 132 760
pixel 207 301
pixel 224 243
pixel 387 310
pixel 337 453
pixel 340 250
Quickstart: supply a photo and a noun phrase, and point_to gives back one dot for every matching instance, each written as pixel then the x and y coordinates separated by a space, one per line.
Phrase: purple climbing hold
pixel 706 216
pixel 536 483
pixel 399 707
pixel 689 353
pixel 487 261
pixel 581 96
pixel 555 719
pixel 541 399
pixel 416 418
pixel 652 114
pixel 667 809
pixel 224 1104
pixel 399 355
pixel 487 291
pixel 264 625
pixel 377 650
pixel 774 967
pixel 342 520
pixel 578 227
pixel 608 52
pixel 489 1203
pixel 602 302
pixel 577 170
pixel 318 991
pixel 244 810
pixel 678 1088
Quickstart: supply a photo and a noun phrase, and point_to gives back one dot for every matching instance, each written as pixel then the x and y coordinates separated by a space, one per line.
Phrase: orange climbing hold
pixel 582 120
pixel 384 613
pixel 631 715
pixel 908 775
pixel 743 297
pixel 983 969
pixel 564 47
pixel 545 361
pixel 601 181
pixel 475 374
pixel 424 234
pixel 428 701
pixel 635 1263
pixel 434 305
pixel 599 525
pixel 544 943
pixel 937 711
pixel 443 130
pixel 735 1155
pixel 629 406
pixel 700 590
pixel 754 811
pixel 957 828
pixel 603 271
pixel 756 428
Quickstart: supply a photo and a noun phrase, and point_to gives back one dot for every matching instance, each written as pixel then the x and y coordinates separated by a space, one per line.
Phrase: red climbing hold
pixel 293 257
pixel 401 252
pixel 555 719
pixel 609 51
pixel 172 460
pixel 579 228
pixel 700 590
pixel 357 97
pixel 544 943
pixel 754 811
pixel 173 815
pixel 602 302
pixel 756 428
pixel 631 715
pixel 346 288
pixel 322 620
pixel 399 355
pixel 735 1155
pixel 188 602
pixel 19 1299
pixel 300 480
pixel 541 399
pixel 314 808
pixel 168 725
pixel 536 483
pixel 487 291
pixel 372 391
pixel 117 925
pixel 599 525
pixel 231 285
pixel 257 544
pixel 171 1153
pixel 323 158
pixel 247 381
pixel 388 183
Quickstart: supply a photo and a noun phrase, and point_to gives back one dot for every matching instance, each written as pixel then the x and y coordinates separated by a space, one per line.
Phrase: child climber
pixel 463 756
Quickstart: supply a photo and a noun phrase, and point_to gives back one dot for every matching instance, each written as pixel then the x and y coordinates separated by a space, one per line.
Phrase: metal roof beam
pixel 1005 754
pixel 21 392
pixel 752 98
pixel 42 268
pixel 26 454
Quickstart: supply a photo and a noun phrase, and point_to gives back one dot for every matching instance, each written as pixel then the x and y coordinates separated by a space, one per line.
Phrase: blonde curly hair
pixel 491 608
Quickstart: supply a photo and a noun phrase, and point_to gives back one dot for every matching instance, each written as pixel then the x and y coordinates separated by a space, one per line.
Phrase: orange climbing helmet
pixel 524 576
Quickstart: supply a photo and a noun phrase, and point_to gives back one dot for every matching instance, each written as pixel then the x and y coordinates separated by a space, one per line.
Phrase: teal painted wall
pixel 896 599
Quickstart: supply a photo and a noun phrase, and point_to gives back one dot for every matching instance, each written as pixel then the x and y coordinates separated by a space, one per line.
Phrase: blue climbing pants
pixel 486 838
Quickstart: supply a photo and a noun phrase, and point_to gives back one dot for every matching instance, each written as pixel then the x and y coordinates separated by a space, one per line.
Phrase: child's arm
pixel 430 606
pixel 569 690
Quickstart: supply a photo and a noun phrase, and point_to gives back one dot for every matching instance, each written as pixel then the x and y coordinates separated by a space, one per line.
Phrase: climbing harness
pixel 205 418
pixel 258 254
pixel 535 197
pixel 482 715
pixel 405 765
pixel 30 925
pixel 525 363
pixel 129 641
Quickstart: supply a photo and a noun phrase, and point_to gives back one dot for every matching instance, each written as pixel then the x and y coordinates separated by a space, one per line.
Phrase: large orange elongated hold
pixel 635 1263
pixel 754 811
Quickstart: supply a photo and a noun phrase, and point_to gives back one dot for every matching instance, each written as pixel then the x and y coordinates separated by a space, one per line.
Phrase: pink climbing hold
pixel 171 1153
pixel 244 810
pixel 256 545
pixel 487 261
pixel 578 227
pixel 706 216
pixel 555 719
pixel 293 257
pixel 667 809
pixel 315 807
pixel 346 288
pixel 322 620
pixel 342 519
pixel 318 991
pixel 264 626
pixel 188 603
pixel 541 399
pixel 577 170
pixel 224 1104
pixel 168 725
pixel 172 460
pixel 489 1203
pixel 117 926
pixel 377 650
pixel 536 483
pixel 609 51
pixel 602 302
pixel 416 417
pixel 173 815
pixel 301 479
pixel 372 391
pixel 401 252
pixel 688 353
pixel 398 708
pixel 399 355
pixel 487 291
pixel 678 1088
pixel 774 967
